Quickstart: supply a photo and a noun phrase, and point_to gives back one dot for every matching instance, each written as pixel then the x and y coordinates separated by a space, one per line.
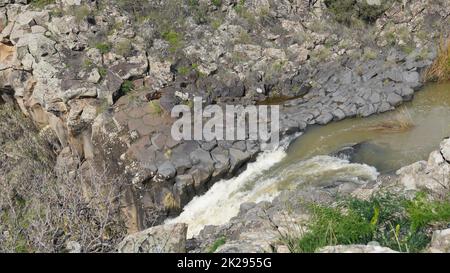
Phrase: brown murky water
pixel 390 140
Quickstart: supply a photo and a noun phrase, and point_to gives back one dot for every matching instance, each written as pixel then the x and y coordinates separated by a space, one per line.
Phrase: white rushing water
pixel 263 180
pixel 222 201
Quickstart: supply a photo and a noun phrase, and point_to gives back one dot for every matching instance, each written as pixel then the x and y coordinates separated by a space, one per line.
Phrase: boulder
pixel 440 242
pixel 431 176
pixel 159 239
pixel 356 249
pixel 445 149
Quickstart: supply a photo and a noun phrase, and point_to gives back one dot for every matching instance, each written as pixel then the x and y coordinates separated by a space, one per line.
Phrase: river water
pixel 386 142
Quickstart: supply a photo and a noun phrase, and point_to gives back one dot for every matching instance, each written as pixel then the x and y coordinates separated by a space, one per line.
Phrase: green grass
pixel 80 13
pixel 330 226
pixel 391 220
pixel 370 54
pixel 103 47
pixel 218 243
pixel 239 7
pixel 123 48
pixel 423 212
pixel 345 11
pixel 174 39
pixel 155 107
pixel 217 3
pixel 185 70
pixel 103 72
pixel 216 23
pixel 41 3
pixel 127 87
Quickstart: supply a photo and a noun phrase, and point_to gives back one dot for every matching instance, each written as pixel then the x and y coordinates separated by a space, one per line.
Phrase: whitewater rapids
pixel 263 180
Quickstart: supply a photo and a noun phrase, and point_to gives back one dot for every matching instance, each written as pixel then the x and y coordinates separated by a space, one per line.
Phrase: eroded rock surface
pixel 104 81
pixel 158 239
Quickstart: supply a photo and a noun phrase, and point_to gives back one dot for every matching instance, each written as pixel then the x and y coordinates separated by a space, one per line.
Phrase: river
pixel 385 142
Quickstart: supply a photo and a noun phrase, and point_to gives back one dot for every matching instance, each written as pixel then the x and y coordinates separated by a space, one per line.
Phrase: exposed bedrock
pixel 104 83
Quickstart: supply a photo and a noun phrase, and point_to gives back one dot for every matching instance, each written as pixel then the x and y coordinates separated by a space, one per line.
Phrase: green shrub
pixel 370 54
pixel 216 23
pixel 423 212
pixel 127 87
pixel 216 3
pixel 174 39
pixel 389 219
pixel 344 11
pixel 239 7
pixel 183 70
pixel 103 47
pixel 330 226
pixel 103 72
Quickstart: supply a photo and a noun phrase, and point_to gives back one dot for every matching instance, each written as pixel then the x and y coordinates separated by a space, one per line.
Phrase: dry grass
pixel 440 70
pixel 43 209
pixel 399 122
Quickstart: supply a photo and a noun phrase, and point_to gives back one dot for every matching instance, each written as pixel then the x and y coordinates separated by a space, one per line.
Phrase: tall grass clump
pixel 439 71
pixel 391 220
pixel 399 122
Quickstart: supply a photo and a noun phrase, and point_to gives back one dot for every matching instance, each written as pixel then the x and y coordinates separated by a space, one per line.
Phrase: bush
pixel 216 3
pixel 389 219
pixel 127 87
pixel 103 47
pixel 344 11
pixel 174 39
pixel 330 226
pixel 40 209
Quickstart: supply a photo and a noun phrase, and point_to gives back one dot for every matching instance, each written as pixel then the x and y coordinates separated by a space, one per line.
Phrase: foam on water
pixel 263 181
pixel 222 201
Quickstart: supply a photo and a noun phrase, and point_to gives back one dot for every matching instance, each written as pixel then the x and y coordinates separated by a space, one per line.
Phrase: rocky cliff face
pixel 100 77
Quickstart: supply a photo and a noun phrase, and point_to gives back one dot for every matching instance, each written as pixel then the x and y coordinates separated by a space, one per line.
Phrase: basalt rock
pixel 105 83
pixel 159 239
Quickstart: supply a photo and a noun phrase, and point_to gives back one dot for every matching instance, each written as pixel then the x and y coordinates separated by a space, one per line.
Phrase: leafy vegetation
pixel 389 219
pixel 216 3
pixel 103 47
pixel 103 72
pixel 345 11
pixel 185 70
pixel 174 39
pixel 218 243
pixel 127 87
